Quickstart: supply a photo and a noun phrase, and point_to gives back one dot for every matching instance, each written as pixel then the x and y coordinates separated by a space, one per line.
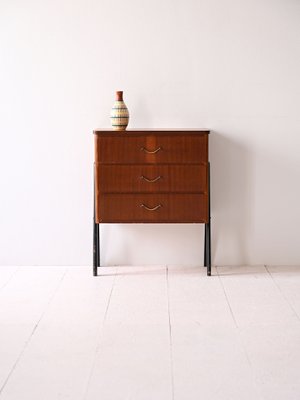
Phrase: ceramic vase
pixel 119 115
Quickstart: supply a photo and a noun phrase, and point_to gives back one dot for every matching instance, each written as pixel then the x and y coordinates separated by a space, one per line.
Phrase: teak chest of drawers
pixel 152 177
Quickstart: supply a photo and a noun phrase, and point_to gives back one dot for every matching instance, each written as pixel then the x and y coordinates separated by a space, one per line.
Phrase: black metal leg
pixel 95 249
pixel 208 248
pixel 95 237
pixel 98 245
pixel 208 230
pixel 205 261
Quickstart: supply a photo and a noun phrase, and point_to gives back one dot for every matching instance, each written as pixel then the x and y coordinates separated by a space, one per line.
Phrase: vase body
pixel 119 115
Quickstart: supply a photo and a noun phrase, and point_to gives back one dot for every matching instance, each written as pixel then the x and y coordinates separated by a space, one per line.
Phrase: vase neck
pixel 119 95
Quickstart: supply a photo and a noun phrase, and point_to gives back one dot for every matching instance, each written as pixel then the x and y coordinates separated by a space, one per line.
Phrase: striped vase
pixel 119 115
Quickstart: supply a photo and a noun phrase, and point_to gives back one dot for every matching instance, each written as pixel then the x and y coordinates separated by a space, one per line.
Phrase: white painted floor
pixel 150 333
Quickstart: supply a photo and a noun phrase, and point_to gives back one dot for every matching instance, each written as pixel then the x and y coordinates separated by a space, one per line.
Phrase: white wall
pixel 231 66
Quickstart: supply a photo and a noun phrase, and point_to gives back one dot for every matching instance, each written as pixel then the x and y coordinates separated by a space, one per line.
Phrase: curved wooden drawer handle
pixel 150 180
pixel 150 151
pixel 151 209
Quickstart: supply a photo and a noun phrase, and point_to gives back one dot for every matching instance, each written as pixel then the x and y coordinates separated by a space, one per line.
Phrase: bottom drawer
pixel 152 208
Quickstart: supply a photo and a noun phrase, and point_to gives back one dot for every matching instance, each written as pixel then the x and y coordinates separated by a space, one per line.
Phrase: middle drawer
pixel 151 178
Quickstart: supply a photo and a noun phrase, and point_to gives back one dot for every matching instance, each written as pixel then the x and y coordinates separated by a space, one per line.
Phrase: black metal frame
pixel 207 231
pixel 207 234
pixel 96 237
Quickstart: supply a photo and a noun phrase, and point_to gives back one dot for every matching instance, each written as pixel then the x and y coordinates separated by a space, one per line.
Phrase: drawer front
pixel 152 208
pixel 151 178
pixel 152 149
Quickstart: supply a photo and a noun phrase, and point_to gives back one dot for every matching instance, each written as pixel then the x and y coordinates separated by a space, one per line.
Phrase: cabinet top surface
pixel 135 132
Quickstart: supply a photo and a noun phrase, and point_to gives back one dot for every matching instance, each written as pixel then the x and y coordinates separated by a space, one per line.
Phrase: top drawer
pixel 151 149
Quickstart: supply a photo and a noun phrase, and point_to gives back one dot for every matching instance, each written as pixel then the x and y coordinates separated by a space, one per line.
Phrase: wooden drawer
pixel 151 178
pixel 152 149
pixel 152 208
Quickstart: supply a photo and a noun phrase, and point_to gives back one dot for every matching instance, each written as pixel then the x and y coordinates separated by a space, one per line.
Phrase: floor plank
pixel 210 363
pixel 274 351
pixel 264 302
pixel 132 362
pixel 140 296
pixel 209 360
pixel 253 296
pixel 23 301
pixel 133 359
pixel 58 359
pixel 287 279
pixel 196 298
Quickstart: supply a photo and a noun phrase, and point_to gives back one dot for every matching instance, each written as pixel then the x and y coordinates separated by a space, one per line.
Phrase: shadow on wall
pixel 232 202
